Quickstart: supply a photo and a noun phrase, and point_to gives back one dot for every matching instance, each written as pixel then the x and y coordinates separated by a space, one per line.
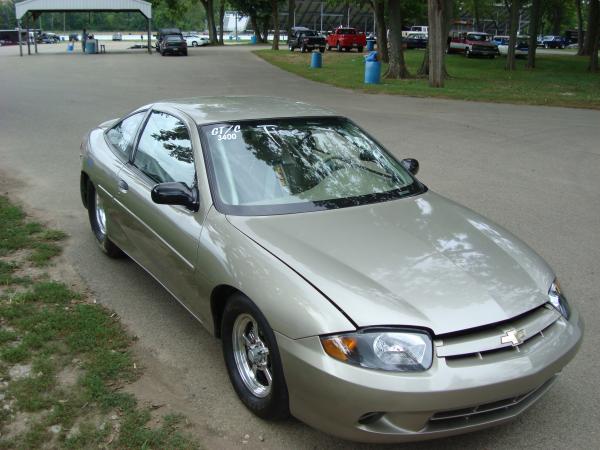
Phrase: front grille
pixel 487 411
pixel 486 342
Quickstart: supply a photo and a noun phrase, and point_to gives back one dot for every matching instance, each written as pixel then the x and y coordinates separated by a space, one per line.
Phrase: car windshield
pixel 477 37
pixel 282 166
pixel 347 31
pixel 173 38
pixel 310 33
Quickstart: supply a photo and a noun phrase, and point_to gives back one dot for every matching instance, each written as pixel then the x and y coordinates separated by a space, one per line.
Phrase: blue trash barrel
pixel 90 46
pixel 372 72
pixel 370 45
pixel 70 47
pixel 316 60
pixel 253 39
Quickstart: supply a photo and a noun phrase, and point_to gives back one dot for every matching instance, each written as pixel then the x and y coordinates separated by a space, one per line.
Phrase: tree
pixel 579 27
pixel 513 8
pixel 381 29
pixel 259 12
pixel 592 28
pixel 275 9
pixel 534 23
pixel 290 17
pixel 221 20
pixel 439 13
pixel 210 20
pixel 593 34
pixel 397 66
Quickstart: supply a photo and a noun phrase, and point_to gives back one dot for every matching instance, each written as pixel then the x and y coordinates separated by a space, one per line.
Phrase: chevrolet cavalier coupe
pixel 344 291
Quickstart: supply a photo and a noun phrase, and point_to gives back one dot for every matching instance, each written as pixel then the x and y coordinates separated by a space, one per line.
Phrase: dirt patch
pixel 19 371
pixel 68 376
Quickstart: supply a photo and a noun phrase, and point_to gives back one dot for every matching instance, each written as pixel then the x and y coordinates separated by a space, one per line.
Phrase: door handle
pixel 123 186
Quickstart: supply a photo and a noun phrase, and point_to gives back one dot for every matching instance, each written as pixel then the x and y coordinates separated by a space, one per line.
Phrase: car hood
pixel 420 261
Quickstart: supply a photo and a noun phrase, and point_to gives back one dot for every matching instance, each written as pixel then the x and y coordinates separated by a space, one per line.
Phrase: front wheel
pixel 194 44
pixel 322 49
pixel 303 48
pixel 360 49
pixel 252 359
pixel 98 222
pixel 338 47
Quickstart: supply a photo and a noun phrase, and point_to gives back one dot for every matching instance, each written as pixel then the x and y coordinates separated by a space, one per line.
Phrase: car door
pixel 120 139
pixel 161 238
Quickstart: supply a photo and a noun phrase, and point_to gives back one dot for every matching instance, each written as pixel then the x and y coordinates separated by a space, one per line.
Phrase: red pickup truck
pixel 346 39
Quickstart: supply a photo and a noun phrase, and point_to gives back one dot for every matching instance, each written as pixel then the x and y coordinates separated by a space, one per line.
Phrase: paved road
pixel 532 169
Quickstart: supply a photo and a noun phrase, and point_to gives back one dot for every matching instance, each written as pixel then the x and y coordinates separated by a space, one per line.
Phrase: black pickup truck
pixel 306 40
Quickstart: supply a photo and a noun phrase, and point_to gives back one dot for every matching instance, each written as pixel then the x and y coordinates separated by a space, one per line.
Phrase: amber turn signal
pixel 339 347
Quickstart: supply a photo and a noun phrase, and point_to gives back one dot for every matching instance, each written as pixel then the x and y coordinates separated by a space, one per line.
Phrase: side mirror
pixel 175 194
pixel 412 165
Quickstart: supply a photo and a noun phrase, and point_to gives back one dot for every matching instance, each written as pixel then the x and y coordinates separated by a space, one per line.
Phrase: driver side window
pixel 164 152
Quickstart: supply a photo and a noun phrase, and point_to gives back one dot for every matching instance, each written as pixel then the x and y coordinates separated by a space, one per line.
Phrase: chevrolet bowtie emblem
pixel 513 337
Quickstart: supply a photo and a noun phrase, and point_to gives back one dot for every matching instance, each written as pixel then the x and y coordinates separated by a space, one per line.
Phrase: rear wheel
pixel 252 359
pixel 360 49
pixel 322 49
pixel 467 52
pixel 98 222
pixel 291 47
pixel 338 47
pixel 303 48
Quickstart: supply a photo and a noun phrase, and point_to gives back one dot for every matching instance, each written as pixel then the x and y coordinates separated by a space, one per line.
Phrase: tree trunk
pixel 557 19
pixel 512 41
pixel 534 23
pixel 594 33
pixel 397 66
pixel 290 18
pixel 265 30
pixel 275 9
pixel 579 28
pixel 254 21
pixel 437 42
pixel 210 19
pixel 447 19
pixel 382 41
pixel 477 14
pixel 221 20
pixel 592 25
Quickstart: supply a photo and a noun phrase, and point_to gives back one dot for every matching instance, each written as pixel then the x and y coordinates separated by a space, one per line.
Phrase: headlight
pixel 391 350
pixel 558 300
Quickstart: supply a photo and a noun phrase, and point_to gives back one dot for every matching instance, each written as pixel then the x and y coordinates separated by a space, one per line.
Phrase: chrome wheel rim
pixel 100 215
pixel 251 356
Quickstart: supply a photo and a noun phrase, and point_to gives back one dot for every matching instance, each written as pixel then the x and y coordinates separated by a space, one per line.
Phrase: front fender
pixel 291 305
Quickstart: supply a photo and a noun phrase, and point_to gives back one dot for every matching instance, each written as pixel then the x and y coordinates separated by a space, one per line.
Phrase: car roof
pixel 205 110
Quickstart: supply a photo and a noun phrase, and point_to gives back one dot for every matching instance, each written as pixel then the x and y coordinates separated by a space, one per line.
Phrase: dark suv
pixel 163 33
pixel 173 44
pixel 306 40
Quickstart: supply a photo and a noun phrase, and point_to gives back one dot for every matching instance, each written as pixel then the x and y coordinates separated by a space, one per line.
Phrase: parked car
pixel 48 38
pixel 344 291
pixel 306 40
pixel 195 40
pixel 346 39
pixel 521 47
pixel 74 37
pixel 415 40
pixel 173 44
pixel 164 32
pixel 472 44
pixel 553 42
pixel 117 37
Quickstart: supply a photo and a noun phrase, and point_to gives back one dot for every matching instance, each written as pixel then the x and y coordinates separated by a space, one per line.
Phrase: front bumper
pixel 395 407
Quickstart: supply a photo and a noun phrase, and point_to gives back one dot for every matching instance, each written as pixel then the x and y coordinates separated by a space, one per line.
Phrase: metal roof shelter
pixel 37 7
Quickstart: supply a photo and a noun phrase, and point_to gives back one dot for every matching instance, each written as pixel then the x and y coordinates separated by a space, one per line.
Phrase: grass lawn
pixel 558 80
pixel 63 358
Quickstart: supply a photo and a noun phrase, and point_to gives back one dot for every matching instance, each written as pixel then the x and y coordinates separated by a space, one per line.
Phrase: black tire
pixel 328 47
pixel 322 49
pixel 194 44
pixel 360 49
pixel 303 48
pixel 338 47
pixel 105 244
pixel 467 53
pixel 275 405
pixel 184 53
pixel 291 47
